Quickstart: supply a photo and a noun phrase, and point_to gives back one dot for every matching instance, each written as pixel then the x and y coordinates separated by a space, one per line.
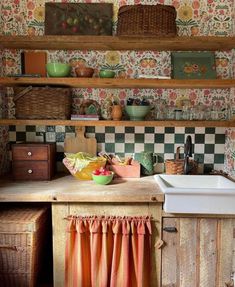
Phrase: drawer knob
pixel 29 153
pixel 30 171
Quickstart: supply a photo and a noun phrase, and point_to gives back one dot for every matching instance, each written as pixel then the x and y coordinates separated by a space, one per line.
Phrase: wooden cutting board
pixel 80 143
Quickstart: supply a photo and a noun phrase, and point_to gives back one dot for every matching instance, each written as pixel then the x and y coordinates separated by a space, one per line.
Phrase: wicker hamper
pixel 42 103
pixel 22 233
pixel 176 166
pixel 146 20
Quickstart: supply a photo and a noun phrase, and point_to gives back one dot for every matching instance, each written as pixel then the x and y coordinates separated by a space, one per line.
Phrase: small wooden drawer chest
pixel 33 161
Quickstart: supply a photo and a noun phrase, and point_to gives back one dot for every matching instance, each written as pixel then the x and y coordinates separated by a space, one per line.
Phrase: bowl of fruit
pixel 137 109
pixel 102 176
pixel 81 165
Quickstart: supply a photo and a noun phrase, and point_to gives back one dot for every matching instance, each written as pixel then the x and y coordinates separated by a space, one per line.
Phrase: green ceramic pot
pixel 58 69
pixel 147 161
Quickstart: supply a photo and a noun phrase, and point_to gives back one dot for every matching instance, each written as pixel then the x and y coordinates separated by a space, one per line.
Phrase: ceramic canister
pixel 147 161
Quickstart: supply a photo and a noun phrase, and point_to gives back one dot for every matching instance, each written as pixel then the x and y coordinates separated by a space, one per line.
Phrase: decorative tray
pixel 193 65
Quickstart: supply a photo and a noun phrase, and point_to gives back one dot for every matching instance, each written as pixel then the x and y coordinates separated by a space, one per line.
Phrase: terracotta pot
pixel 117 112
pixel 84 72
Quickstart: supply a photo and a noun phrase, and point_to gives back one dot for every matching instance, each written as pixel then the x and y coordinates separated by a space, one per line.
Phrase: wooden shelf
pixel 166 123
pixel 118 83
pixel 202 43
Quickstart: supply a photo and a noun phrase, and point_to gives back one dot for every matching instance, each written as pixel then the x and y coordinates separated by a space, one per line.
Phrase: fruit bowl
pixel 137 113
pixel 84 72
pixel 102 176
pixel 86 172
pixel 58 69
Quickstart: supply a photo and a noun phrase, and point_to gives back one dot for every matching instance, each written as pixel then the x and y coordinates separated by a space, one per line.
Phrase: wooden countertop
pixel 69 189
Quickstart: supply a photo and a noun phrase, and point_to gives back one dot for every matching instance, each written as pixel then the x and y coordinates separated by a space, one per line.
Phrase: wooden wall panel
pixel 170 257
pixel 187 252
pixel 226 260
pixel 208 252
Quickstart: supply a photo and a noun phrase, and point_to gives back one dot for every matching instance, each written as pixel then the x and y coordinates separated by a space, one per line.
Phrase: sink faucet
pixel 187 153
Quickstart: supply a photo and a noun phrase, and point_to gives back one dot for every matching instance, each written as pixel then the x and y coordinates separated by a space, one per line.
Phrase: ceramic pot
pixel 117 112
pixel 147 161
pixel 84 72
pixel 106 110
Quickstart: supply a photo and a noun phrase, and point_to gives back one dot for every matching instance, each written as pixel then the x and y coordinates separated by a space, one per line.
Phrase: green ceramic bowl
pixel 58 69
pixel 137 113
pixel 106 74
pixel 103 179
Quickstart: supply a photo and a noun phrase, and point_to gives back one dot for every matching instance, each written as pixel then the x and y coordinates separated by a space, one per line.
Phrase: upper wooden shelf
pixel 121 83
pixel 166 123
pixel 210 43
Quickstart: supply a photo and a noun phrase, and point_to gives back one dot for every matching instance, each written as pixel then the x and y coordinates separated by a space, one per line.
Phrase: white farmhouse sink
pixel 207 194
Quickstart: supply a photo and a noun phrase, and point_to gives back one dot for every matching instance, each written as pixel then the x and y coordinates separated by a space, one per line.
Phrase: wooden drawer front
pixel 29 152
pixel 34 170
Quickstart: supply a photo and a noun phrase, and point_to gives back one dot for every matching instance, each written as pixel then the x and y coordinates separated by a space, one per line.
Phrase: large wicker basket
pixel 42 103
pixel 22 234
pixel 176 166
pixel 146 20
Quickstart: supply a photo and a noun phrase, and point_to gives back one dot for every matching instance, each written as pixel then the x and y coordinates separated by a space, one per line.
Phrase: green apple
pixel 75 21
pixel 69 21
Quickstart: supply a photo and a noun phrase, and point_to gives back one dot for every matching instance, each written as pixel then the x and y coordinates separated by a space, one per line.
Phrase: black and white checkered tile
pixel 208 143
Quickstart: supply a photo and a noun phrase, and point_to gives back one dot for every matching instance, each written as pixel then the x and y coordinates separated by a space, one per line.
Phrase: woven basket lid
pixel 21 219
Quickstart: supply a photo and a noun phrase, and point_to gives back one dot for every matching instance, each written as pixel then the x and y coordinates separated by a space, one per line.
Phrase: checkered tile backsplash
pixel 208 143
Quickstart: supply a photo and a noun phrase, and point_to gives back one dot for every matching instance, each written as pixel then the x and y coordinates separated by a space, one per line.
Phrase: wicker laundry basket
pixel 147 20
pixel 22 233
pixel 176 166
pixel 42 103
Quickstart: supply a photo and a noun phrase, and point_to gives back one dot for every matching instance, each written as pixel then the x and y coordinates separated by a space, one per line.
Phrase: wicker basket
pixel 42 103
pixel 176 166
pixel 22 233
pixel 146 20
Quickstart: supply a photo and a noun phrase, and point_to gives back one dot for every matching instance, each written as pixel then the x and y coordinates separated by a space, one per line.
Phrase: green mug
pixel 147 161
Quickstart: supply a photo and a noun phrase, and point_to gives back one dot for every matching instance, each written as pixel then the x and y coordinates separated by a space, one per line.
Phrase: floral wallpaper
pixel 194 18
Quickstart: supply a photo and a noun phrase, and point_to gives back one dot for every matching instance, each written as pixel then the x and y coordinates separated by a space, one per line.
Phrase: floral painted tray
pixel 193 65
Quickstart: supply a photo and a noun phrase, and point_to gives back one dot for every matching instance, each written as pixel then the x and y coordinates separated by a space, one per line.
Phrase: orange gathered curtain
pixel 108 252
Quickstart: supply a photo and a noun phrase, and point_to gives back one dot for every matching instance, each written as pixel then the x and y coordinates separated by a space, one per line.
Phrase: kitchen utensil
pixel 80 143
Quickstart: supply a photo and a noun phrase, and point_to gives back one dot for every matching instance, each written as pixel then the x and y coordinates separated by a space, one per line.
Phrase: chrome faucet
pixel 188 148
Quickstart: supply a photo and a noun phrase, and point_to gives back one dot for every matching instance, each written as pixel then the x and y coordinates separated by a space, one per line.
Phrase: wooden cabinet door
pixel 198 252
